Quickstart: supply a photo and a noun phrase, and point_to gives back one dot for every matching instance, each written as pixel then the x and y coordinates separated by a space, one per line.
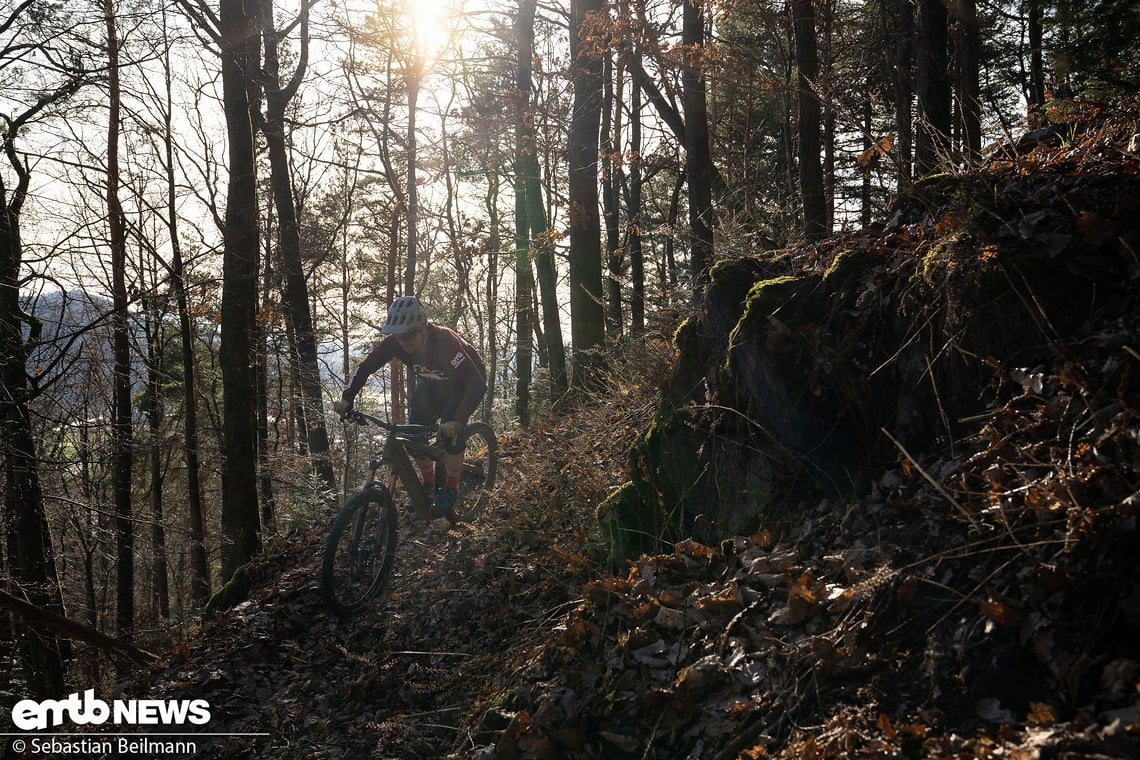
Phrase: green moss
pixel 847 267
pixel 668 477
pixel 765 298
pixel 682 331
pixel 233 593
pixel 732 279
pixel 971 281
pixel 628 524
pixel 955 261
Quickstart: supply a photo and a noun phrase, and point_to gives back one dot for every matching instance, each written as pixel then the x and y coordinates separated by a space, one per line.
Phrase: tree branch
pixel 38 617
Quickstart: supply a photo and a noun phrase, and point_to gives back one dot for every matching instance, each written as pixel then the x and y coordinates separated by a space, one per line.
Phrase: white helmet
pixel 404 315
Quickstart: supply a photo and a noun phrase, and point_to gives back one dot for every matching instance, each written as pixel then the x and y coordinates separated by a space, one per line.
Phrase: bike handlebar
pixel 361 418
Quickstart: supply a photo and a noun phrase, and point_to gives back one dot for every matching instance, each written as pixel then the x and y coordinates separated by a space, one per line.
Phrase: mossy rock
pixel 666 472
pixel 629 525
pixel 235 591
pixel 767 297
pixel 1005 302
pixel 846 268
pixel 680 471
pixel 731 279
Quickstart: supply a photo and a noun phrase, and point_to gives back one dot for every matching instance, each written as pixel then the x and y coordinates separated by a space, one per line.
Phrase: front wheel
pixel 480 460
pixel 359 550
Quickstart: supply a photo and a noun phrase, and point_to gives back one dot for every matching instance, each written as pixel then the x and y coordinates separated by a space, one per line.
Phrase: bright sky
pixel 433 20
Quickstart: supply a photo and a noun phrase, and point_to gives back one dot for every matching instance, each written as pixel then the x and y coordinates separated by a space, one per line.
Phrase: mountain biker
pixel 451 384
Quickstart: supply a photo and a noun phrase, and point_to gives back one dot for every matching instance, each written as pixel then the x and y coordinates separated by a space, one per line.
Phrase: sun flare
pixel 434 22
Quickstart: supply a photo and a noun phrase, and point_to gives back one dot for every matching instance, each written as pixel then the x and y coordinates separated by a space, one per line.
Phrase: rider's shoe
pixel 446 499
pixel 410 505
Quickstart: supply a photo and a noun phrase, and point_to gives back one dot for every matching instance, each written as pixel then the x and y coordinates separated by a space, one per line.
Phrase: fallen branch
pixel 938 486
pixel 38 617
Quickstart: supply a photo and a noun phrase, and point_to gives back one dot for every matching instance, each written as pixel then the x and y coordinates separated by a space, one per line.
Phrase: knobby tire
pixel 359 551
pixel 481 460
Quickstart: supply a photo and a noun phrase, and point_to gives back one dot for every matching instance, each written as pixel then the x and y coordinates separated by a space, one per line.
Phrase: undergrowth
pixel 571 459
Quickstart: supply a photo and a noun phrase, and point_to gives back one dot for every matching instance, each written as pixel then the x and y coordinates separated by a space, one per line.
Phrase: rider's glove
pixel 451 429
pixel 342 407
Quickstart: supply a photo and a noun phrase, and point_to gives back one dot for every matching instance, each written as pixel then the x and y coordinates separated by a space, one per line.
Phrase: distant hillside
pixel 72 356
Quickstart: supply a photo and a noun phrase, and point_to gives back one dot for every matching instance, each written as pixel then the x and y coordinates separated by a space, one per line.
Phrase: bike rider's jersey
pixel 443 356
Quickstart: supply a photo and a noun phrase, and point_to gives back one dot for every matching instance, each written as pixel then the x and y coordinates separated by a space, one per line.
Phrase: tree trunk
pixel 493 243
pixel 1036 11
pixel 547 273
pixel 524 143
pixel 865 169
pixel 904 90
pixel 611 147
pixel 827 67
pixel 698 158
pixel 159 587
pixel 671 222
pixel 398 379
pixel 240 518
pixel 524 352
pixel 411 189
pixel 296 290
pixel 933 86
pixel 587 315
pixel 121 425
pixel 811 172
pixel 49 619
pixel 636 257
pixel 199 565
pixel 29 543
pixel 969 72
pixel 411 193
pixel 261 413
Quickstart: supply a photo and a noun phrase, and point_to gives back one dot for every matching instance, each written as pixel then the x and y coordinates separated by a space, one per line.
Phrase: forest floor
pixel 979 600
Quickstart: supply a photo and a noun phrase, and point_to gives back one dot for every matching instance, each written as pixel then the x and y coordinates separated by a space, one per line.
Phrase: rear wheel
pixel 359 550
pixel 480 460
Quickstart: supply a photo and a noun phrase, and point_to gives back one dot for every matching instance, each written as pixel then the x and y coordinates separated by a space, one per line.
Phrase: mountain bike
pixel 361 546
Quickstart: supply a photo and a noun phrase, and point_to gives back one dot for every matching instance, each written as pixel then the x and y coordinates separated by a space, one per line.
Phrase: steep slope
pixel 927 548
pixel 911 456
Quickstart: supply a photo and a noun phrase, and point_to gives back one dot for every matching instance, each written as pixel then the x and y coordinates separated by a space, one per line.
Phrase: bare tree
pixel 122 435
pixel 28 540
pixel 239 37
pixel 633 226
pixel 587 315
pixel 296 291
pixel 933 86
pixel 611 187
pixel 811 171
pixel 530 210
pixel 698 157
pixel 199 565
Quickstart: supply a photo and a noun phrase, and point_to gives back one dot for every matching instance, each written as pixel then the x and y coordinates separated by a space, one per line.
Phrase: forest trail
pixel 464 609
pixel 401 677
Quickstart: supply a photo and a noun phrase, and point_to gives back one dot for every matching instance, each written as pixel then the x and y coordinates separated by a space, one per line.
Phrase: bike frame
pixel 397 452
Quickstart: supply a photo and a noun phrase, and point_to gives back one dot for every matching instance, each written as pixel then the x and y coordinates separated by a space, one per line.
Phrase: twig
pixel 748 736
pixel 938 401
pixel 938 486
